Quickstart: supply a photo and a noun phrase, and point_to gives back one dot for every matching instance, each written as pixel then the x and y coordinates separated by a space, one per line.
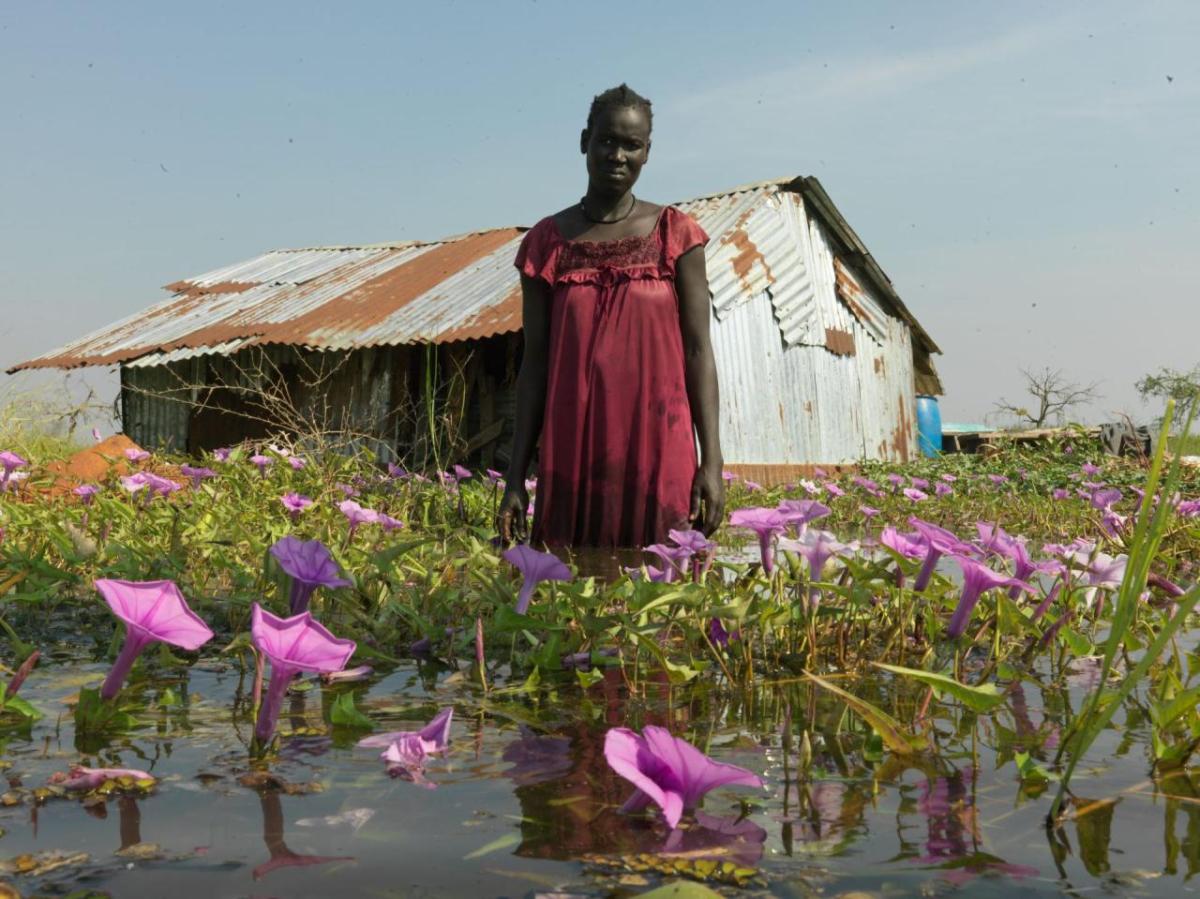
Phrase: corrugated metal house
pixel 820 362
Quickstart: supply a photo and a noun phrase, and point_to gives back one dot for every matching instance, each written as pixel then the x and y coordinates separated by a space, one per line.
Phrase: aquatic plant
pixel 767 524
pixel 536 567
pixel 291 645
pixel 310 565
pixel 152 611
pixel 668 771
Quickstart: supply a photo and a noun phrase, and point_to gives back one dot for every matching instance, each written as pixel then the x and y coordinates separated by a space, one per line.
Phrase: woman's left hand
pixel 708 500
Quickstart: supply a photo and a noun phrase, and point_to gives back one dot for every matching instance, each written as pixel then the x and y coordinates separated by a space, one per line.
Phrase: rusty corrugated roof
pixel 456 289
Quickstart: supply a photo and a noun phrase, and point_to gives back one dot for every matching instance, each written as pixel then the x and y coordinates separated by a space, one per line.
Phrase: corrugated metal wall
pixel 816 398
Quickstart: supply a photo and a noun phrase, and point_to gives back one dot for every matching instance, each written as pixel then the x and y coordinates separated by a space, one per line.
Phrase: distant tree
pixel 1168 384
pixel 1052 396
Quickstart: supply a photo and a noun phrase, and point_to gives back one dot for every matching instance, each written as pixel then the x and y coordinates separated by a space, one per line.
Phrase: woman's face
pixel 617 146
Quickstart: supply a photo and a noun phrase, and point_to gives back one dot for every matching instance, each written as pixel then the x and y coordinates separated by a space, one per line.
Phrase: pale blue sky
pixel 1027 173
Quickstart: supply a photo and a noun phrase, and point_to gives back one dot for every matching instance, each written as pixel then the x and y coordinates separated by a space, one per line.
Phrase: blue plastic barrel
pixel 929 426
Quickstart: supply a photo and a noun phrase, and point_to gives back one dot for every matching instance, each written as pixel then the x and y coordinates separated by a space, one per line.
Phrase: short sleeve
pixel 682 233
pixel 534 258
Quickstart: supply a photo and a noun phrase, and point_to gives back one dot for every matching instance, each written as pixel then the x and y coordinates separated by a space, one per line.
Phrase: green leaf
pixel 504 842
pixel 18 706
pixel 343 713
pixel 169 698
pixel 1031 770
pixel 982 698
pixel 589 678
pixel 885 725
pixel 681 889
pixel 1163 713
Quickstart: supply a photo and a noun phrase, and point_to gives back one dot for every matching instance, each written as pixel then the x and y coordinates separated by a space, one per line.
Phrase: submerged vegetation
pixel 870 621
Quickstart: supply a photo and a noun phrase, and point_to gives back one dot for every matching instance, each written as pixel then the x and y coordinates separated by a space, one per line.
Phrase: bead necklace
pixel 595 221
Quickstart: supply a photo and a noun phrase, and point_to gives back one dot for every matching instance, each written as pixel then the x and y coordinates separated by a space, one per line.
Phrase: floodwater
pixel 524 804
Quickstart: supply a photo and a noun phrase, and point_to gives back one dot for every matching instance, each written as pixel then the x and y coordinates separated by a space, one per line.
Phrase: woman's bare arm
pixel 700 373
pixel 531 404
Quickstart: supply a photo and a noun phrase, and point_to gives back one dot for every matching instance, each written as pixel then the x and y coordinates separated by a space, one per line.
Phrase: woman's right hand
pixel 511 523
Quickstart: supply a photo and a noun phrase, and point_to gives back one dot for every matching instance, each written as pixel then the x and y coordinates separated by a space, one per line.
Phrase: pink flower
pixel 153 611
pixel 82 779
pixel 356 515
pixel 310 565
pixel 914 494
pixel 799 513
pixel 942 489
pixel 291 645
pixel 295 503
pixel 536 567
pixel 767 524
pixel 433 737
pixel 388 523
pixel 136 454
pixel 1061 493
pixel 667 771
pixel 86 493
pixel 222 454
pixel 461 473
pixel 262 462
pixel 868 511
pixel 297 462
pixel 198 475
pixel 977 578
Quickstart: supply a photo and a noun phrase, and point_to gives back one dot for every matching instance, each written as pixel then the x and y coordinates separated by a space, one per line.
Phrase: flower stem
pixel 268 712
pixel 120 669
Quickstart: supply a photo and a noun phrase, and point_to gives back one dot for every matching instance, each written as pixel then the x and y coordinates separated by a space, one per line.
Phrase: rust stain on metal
pixel 808 407
pixel 747 252
pixel 782 417
pixel 879 365
pixel 502 318
pixel 372 302
pixel 838 342
pixel 902 435
pixel 191 289
pixel 849 290
pixel 773 474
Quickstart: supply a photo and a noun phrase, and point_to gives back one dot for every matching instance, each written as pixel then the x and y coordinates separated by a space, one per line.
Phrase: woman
pixel 618 366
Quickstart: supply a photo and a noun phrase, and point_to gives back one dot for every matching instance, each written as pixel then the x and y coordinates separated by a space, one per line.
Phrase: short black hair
pixel 620 97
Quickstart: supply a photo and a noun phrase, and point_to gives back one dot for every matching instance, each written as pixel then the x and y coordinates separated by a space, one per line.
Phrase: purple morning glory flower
pixel 388 523
pixel 153 611
pixel 919 483
pixel 356 515
pixel 833 489
pixel 667 771
pixel 494 477
pixel 86 493
pixel 674 559
pixel 136 454
pixel 86 779
pixel 433 737
pixel 938 541
pixel 766 524
pixel 977 578
pixel 799 513
pixel 11 461
pixel 262 462
pixel 396 472
pixel 866 484
pixel 752 486
pixel 817 547
pixel 997 479
pixel 1061 493
pixel 222 454
pixel 1089 469
pixel 948 478
pixel 1105 498
pixel 717 634
pixel 297 462
pixel 728 477
pixel 461 473
pixel 198 475
pixel 310 565
pixel 994 540
pixel 1188 508
pixel 896 480
pixel 295 503
pixel 911 547
pixel 914 494
pixel 536 567
pixel 135 483
pixel 942 489
pixel 291 645
pixel 868 511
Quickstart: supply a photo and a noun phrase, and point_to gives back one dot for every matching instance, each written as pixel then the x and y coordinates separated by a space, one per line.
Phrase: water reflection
pixel 281 855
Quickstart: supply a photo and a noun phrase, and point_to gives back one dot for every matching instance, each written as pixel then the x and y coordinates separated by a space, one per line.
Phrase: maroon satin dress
pixel 617 449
